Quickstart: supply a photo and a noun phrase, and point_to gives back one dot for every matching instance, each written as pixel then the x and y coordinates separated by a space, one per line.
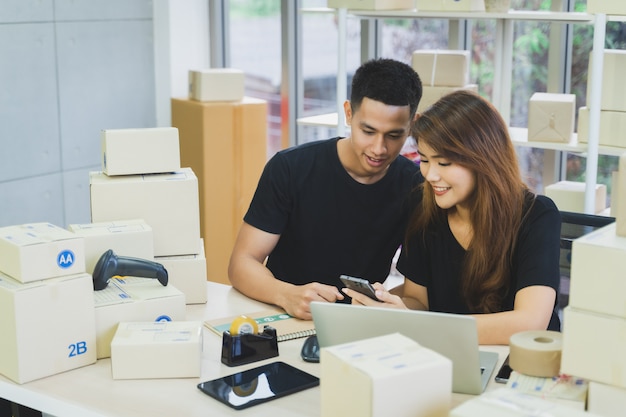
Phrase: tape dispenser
pixel 243 343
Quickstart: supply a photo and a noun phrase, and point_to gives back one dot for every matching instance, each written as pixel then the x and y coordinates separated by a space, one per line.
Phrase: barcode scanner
pixel 110 265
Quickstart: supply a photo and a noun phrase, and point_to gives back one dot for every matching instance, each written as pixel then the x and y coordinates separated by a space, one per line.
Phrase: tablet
pixel 258 385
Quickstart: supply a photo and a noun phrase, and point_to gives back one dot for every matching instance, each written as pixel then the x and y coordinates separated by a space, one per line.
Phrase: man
pixel 333 207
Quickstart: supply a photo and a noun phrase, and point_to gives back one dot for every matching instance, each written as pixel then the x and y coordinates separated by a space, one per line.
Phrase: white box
pixel 597 272
pixel 594 346
pixel 37 251
pixel 47 326
pixel 133 299
pixel 126 237
pixel 504 402
pixel 389 375
pixel 570 196
pixel 612 127
pixel 140 151
pixel 372 4
pixel 169 203
pixel 441 67
pixel 606 400
pixel 617 7
pixel 613 69
pixel 430 94
pixel 619 197
pixel 551 117
pixel 451 5
pixel 188 274
pixel 216 84
pixel 142 350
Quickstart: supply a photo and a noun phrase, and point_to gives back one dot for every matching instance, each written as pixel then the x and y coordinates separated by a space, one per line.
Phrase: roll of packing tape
pixel 536 353
pixel 243 324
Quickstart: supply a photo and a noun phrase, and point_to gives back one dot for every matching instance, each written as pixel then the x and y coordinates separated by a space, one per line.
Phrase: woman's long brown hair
pixel 467 130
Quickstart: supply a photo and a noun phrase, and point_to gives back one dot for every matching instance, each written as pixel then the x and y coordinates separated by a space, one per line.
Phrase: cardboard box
pixel 551 117
pixel 216 84
pixel 612 127
pixel 188 274
pixel 167 202
pixel 126 237
pixel 431 94
pixel 441 67
pixel 133 299
pixel 142 350
pixel 140 151
pixel 593 346
pixel 570 196
pixel 617 7
pixel 450 5
pixel 606 400
pixel 619 197
pixel 372 4
pixel 504 402
pixel 47 326
pixel 385 376
pixel 613 69
pixel 36 251
pixel 597 274
pixel 226 146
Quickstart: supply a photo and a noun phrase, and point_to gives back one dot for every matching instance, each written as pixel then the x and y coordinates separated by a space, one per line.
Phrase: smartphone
pixel 360 285
pixel 504 372
pixel 258 385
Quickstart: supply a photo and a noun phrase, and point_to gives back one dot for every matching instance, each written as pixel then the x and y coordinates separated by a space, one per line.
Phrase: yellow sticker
pixel 243 324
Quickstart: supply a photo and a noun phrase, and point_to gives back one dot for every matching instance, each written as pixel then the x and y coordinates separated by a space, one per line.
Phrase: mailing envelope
pixel 551 117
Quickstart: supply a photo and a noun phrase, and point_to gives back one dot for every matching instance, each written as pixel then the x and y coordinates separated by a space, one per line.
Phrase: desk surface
pixel 90 391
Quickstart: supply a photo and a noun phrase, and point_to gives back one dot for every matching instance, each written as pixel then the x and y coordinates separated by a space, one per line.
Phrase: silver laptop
pixel 452 335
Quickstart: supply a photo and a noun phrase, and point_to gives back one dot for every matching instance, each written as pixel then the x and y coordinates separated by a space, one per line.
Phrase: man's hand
pixel 297 299
pixel 386 298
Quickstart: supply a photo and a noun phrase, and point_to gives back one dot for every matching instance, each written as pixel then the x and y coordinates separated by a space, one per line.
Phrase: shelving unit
pixel 503 62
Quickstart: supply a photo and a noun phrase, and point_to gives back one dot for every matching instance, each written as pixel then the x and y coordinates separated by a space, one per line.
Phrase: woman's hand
pixel 386 298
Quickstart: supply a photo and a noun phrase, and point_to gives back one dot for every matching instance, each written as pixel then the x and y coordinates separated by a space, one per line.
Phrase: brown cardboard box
pixel 551 117
pixel 225 143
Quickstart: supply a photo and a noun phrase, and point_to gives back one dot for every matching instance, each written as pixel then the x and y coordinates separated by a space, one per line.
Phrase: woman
pixel 481 242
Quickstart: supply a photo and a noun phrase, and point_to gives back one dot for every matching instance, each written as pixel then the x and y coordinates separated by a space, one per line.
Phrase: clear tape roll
pixel 536 353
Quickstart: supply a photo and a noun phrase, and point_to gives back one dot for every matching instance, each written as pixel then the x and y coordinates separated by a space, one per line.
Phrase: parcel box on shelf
pixel 612 127
pixel 37 251
pixel 133 299
pixel 216 84
pixel 442 67
pixel 140 151
pixel 125 237
pixel 450 5
pixel 570 196
pixel 617 7
pixel 430 94
pixel 551 117
pixel 389 375
pixel 613 69
pixel 188 274
pixel 167 202
pixel 47 326
pixel 170 349
pixel 372 4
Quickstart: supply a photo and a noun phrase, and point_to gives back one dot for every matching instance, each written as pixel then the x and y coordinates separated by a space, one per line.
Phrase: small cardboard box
pixel 140 151
pixel 570 196
pixel 431 94
pixel 216 84
pixel 126 237
pixel 551 117
pixel 613 69
pixel 372 4
pixel 36 251
pixel 442 68
pixel 371 377
pixel 504 402
pixel 597 274
pixel 606 400
pixel 133 299
pixel 593 346
pixel 142 350
pixel 612 127
pixel 617 7
pixel 450 5
pixel 188 274
pixel 47 326
pixel 167 202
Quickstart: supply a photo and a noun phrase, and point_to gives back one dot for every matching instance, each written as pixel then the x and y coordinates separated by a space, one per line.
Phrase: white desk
pixel 90 391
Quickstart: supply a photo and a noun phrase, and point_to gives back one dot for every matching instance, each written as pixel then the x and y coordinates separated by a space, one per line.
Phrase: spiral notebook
pixel 287 327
